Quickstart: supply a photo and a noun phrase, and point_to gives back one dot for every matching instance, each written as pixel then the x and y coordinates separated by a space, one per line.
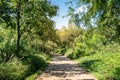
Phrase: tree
pixel 105 14
pixel 27 15
pixel 66 36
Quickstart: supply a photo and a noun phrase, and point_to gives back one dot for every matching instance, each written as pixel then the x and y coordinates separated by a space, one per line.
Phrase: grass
pixel 104 64
pixel 26 68
pixel 34 75
pixel 13 70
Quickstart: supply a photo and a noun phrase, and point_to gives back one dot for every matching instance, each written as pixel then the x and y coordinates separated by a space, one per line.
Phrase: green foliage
pixel 68 52
pixel 7 45
pixel 13 70
pixel 102 60
pixel 96 44
pixel 94 52
pixel 66 36
pixel 75 54
pixel 26 35
pixel 62 51
pixel 87 44
pixel 19 69
pixel 36 64
pixel 50 46
pixel 104 63
pixel 105 14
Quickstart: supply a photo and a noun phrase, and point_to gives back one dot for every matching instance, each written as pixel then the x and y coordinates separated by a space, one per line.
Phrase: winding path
pixel 62 68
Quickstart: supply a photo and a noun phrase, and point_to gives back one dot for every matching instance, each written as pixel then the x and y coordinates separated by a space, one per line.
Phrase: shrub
pixel 13 70
pixel 104 63
pixel 68 52
pixel 61 51
pixel 34 62
pixel 75 54
pixel 19 69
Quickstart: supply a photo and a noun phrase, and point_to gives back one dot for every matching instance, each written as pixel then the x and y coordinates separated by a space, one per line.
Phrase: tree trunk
pixel 18 28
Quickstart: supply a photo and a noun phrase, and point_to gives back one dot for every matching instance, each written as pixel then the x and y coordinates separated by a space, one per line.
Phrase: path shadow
pixel 65 69
pixel 60 58
pixel 62 70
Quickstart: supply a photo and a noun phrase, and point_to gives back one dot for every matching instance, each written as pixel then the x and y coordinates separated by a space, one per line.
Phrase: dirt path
pixel 62 68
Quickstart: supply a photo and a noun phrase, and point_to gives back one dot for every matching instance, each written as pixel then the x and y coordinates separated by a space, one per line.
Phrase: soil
pixel 62 68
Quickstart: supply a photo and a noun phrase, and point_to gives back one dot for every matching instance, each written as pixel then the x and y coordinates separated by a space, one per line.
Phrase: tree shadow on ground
pixel 62 67
pixel 60 58
pixel 62 70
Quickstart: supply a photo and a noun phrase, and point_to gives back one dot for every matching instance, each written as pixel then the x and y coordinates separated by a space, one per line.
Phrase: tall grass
pixel 24 68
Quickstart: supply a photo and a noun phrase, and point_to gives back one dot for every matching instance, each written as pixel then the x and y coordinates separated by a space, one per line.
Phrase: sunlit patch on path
pixel 62 68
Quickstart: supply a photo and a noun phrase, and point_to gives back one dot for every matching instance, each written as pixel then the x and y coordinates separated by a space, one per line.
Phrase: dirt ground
pixel 62 68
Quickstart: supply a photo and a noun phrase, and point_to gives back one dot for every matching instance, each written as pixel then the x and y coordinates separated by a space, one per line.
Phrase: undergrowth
pixel 104 63
pixel 28 67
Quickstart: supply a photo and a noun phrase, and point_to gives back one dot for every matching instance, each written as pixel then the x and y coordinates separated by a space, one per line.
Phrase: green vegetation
pixel 95 44
pixel 94 53
pixel 28 37
pixel 19 69
pixel 25 44
pixel 104 64
pixel 40 63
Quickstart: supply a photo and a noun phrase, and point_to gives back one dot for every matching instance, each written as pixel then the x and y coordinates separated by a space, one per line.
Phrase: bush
pixel 61 51
pixel 98 56
pixel 68 52
pixel 7 51
pixel 75 54
pixel 34 62
pixel 104 63
pixel 50 46
pixel 19 69
pixel 13 70
pixel 117 73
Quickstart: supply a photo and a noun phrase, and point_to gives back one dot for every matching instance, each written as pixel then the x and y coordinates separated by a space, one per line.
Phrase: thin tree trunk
pixel 18 28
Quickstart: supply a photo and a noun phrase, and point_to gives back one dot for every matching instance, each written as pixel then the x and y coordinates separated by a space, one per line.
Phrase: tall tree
pixel 105 14
pixel 28 15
